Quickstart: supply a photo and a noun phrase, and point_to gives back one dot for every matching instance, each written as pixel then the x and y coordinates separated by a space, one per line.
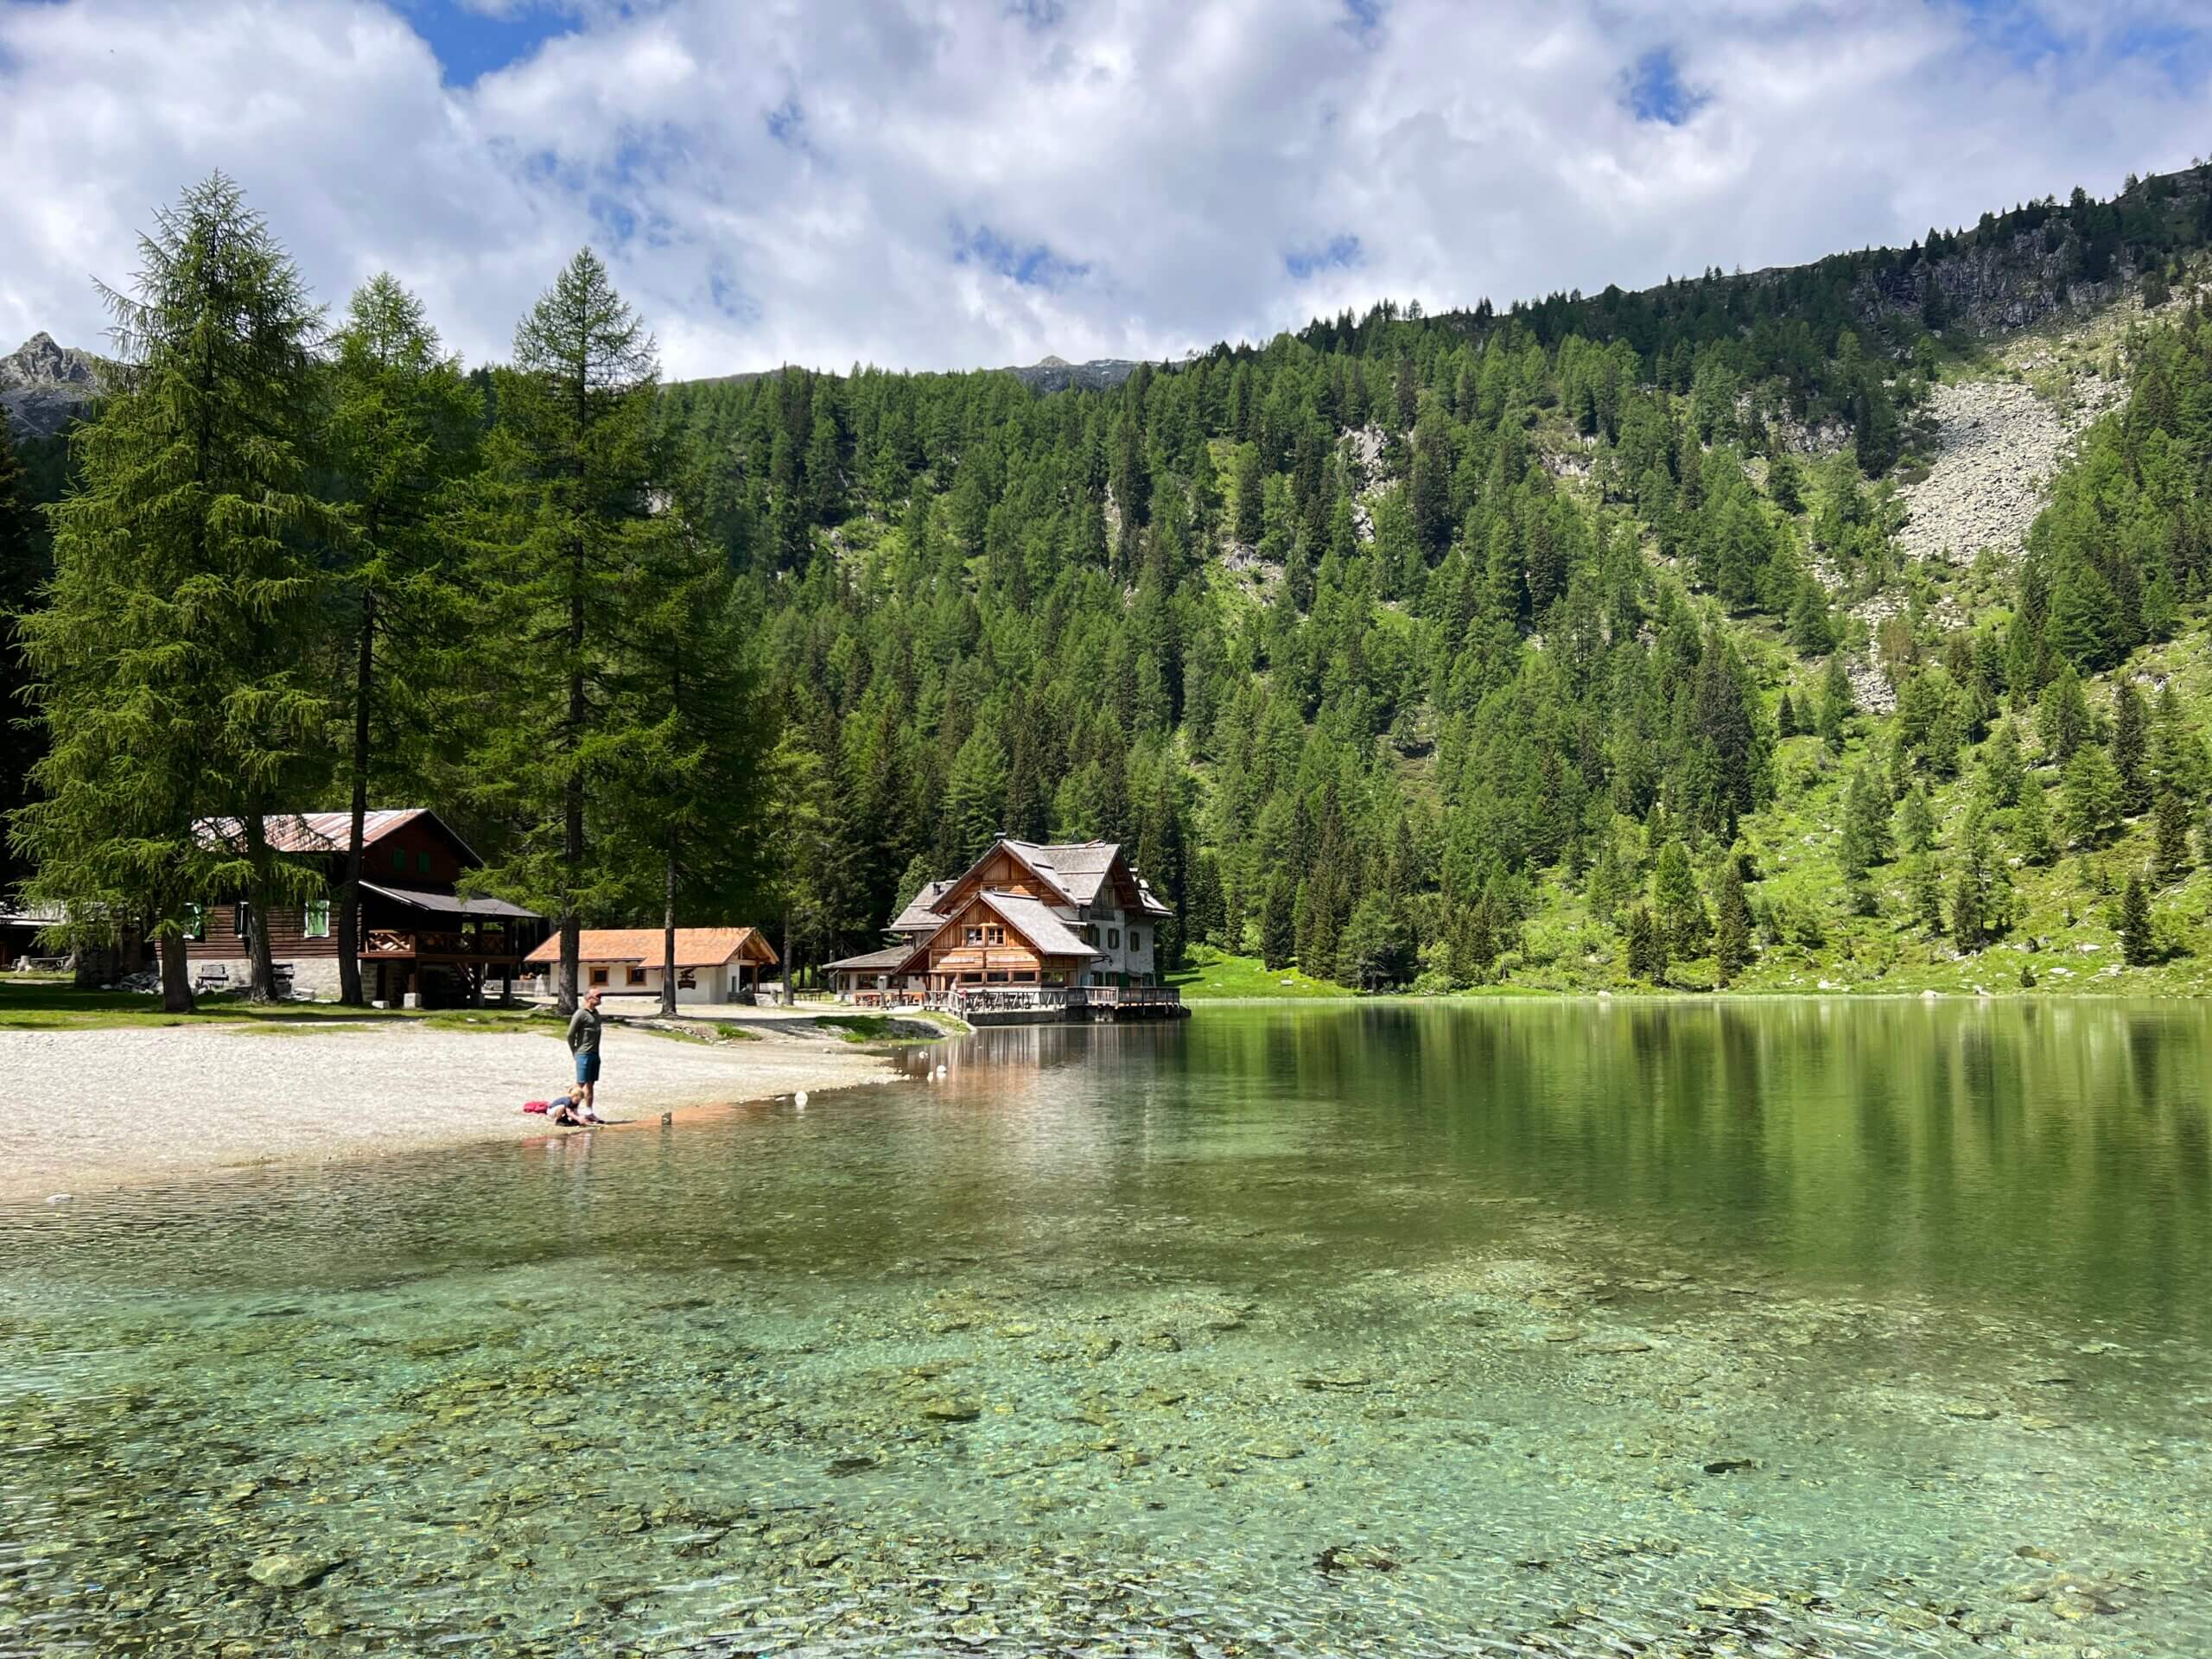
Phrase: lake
pixel 1514 1327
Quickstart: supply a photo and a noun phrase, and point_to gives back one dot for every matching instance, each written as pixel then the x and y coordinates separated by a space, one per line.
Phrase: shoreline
pixel 124 1109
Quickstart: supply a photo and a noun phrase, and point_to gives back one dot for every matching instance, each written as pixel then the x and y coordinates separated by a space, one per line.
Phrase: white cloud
pixel 870 180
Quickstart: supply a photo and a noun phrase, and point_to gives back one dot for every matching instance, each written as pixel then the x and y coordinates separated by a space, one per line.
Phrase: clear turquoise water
pixel 1570 1329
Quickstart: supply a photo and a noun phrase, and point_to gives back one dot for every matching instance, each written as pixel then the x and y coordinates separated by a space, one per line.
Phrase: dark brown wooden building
pixel 419 938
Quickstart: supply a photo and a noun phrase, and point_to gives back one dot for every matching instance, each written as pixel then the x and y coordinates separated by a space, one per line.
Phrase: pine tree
pixel 975 798
pixel 1785 718
pixel 687 788
pixel 1916 822
pixel 2003 772
pixel 1732 928
pixel 2137 941
pixel 1923 879
pixel 176 664
pixel 1865 841
pixel 1278 923
pixel 1835 703
pixel 1981 896
pixel 574 455
pixel 2031 830
pixel 403 426
pixel 2131 749
pixel 2062 715
pixel 1647 948
pixel 1810 628
pixel 2091 803
pixel 1677 907
pixel 2171 859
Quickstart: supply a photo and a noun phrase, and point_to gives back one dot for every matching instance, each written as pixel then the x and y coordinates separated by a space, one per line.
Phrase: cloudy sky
pixel 949 183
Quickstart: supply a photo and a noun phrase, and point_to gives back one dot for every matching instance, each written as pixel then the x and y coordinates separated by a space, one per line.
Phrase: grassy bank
pixel 49 1001
pixel 1209 973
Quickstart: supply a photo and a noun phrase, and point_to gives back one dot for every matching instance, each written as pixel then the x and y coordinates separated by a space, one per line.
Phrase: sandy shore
pixel 85 1110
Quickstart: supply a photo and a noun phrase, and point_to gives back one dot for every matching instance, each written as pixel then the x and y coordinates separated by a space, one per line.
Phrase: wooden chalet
pixel 420 939
pixel 713 964
pixel 1064 928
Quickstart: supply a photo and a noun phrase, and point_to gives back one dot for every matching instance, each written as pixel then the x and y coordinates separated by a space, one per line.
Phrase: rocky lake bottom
pixel 1000 1366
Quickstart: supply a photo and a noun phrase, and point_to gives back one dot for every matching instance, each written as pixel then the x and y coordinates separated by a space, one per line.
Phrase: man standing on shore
pixel 584 1026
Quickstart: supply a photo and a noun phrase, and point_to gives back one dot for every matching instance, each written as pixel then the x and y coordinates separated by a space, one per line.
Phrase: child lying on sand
pixel 566 1109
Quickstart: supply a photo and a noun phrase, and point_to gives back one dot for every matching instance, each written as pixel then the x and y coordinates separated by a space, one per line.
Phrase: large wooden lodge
pixel 1029 930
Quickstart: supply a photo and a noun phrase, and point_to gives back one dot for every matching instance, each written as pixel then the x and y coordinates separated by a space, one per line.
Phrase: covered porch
pixel 437 948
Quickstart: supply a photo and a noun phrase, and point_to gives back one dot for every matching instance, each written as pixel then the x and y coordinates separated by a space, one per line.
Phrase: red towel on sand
pixel 539 1106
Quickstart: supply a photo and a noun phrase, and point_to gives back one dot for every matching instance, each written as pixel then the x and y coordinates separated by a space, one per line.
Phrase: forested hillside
pixel 1595 641
pixel 1543 644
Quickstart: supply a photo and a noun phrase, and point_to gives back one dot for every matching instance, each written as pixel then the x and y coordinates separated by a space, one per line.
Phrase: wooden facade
pixel 981 944
pixel 419 938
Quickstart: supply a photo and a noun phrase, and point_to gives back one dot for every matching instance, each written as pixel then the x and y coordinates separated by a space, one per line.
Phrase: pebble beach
pixel 94 1109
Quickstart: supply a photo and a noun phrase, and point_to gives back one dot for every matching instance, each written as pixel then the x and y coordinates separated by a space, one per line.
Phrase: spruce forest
pixel 1581 644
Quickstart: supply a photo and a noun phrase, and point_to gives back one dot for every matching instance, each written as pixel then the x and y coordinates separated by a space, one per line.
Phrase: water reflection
pixel 1306 1329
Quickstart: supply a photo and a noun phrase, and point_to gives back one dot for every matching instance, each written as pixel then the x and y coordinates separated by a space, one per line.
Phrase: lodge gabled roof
pixel 696 947
pixel 1043 931
pixel 328 832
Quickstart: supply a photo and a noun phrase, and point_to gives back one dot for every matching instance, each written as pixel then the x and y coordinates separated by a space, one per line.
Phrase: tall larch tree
pixel 177 668
pixel 404 429
pixel 574 450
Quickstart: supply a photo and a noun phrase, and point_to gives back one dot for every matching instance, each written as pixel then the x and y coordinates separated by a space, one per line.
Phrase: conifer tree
pixel 1865 838
pixel 1916 822
pixel 1278 923
pixel 1732 927
pixel 2137 941
pixel 1981 895
pixel 687 787
pixel 1785 717
pixel 1923 879
pixel 1647 948
pixel 404 437
pixel 573 452
pixel 177 669
pixel 974 797
pixel 2032 830
pixel 2131 749
pixel 2062 715
pixel 1835 703
pixel 1677 907
pixel 2091 803
pixel 2003 772
pixel 2170 860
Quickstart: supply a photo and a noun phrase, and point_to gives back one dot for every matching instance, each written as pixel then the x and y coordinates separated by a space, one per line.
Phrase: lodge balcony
pixel 482 944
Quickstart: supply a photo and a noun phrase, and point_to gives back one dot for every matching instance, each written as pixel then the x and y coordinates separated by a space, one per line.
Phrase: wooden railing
pixel 383 942
pixel 993 999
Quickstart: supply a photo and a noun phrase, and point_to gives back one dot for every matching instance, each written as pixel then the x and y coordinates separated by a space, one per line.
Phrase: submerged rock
pixel 288 1571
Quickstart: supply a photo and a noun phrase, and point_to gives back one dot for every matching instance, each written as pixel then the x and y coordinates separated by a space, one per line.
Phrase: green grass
pixel 888 1028
pixel 1211 973
pixel 50 1002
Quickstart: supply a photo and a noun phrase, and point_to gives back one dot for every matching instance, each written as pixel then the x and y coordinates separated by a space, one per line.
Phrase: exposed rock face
pixel 44 386
pixel 1057 374
pixel 1998 446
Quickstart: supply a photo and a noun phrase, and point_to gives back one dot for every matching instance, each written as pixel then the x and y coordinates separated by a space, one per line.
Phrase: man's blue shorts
pixel 587 1065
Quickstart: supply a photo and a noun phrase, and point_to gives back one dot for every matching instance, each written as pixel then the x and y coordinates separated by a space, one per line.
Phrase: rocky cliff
pixel 44 386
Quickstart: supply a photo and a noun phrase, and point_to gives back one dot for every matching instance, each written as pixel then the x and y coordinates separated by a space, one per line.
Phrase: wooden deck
pixel 1036 1004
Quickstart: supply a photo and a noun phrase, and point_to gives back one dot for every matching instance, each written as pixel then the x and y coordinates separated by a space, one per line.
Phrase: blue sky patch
pixel 471 43
pixel 1363 19
pixel 1340 252
pixel 787 123
pixel 1034 266
pixel 1656 92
